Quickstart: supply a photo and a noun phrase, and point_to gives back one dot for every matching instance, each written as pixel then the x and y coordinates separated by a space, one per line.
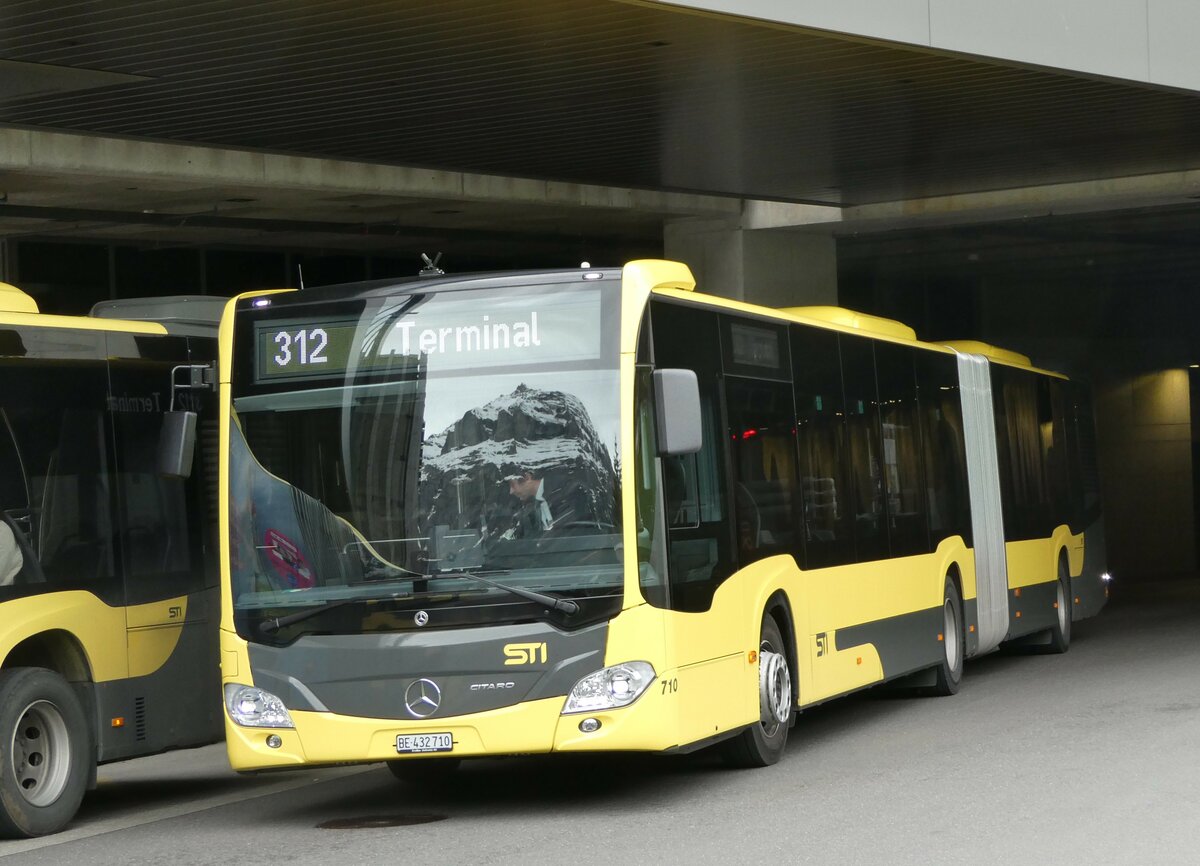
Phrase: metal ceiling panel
pixel 591 91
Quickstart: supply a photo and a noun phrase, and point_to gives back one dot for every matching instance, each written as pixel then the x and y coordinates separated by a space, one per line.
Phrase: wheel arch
pixel 778 606
pixel 954 572
pixel 55 649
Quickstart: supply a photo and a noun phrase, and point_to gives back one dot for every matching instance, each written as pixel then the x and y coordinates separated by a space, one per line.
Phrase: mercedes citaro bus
pixel 108 572
pixel 594 510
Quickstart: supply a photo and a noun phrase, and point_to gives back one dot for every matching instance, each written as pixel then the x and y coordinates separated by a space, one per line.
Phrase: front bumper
pixel 533 727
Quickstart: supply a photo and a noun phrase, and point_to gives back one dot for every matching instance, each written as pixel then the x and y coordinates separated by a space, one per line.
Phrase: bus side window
pixel 59 494
pixel 866 459
pixel 699 532
pixel 154 532
pixel 821 436
pixel 18 562
pixel 763 441
pixel 1019 441
pixel 944 443
pixel 75 535
pixel 903 481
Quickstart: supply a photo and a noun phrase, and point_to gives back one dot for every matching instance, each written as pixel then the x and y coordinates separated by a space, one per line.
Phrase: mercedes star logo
pixel 421 618
pixel 422 698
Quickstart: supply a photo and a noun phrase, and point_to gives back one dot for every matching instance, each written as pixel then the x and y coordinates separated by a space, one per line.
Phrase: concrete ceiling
pixel 629 95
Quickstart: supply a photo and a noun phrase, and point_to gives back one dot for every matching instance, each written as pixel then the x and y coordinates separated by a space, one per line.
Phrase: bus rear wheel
pixel 45 755
pixel 761 744
pixel 948 674
pixel 1060 632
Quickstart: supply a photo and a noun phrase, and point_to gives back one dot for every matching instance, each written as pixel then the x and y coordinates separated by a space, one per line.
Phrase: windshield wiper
pixel 564 604
pixel 270 626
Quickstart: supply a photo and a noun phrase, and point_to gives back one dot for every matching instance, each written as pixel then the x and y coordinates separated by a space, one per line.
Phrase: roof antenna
pixel 431 268
pixel 300 271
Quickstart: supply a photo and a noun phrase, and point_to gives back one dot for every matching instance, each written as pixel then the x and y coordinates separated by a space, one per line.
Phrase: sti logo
pixel 524 653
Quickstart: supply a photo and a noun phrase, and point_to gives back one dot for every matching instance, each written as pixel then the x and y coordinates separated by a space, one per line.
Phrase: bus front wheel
pixel 761 744
pixel 45 755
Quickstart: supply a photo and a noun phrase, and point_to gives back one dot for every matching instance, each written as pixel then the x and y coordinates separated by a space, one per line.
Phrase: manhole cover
pixel 375 821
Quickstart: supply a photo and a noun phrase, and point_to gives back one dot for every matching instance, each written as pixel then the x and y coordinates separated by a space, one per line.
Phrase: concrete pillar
pixel 772 267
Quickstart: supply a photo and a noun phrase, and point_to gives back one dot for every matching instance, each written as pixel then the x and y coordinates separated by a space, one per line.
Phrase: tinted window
pixel 59 511
pixel 1021 412
pixel 866 465
pixel 700 531
pixel 763 445
pixel 944 445
pixel 821 440
pixel 900 454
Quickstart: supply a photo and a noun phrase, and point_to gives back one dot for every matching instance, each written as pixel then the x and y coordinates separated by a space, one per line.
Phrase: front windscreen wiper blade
pixel 270 626
pixel 564 604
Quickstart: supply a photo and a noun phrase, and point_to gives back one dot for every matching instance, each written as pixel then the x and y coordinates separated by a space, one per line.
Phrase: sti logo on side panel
pixel 524 653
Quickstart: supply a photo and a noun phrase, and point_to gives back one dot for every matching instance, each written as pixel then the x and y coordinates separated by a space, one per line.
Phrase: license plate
pixel 415 744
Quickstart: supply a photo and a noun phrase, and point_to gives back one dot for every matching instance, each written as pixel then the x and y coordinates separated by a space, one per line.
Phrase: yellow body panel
pixel 113 648
pixel 1036 560
pixel 79 323
pixel 154 631
pixel 98 628
pixel 14 300
pixel 862 322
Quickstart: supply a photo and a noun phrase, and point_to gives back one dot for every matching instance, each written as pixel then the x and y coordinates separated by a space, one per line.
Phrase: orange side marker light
pixel 858 660
pixel 118 722
pixel 1018 614
pixel 1017 592
pixel 941 636
pixel 753 656
pixel 971 629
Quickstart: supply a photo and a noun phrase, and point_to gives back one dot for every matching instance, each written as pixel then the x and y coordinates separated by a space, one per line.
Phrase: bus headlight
pixel 611 688
pixel 254 708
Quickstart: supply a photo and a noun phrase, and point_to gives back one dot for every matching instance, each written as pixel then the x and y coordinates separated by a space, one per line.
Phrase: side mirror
pixel 677 407
pixel 176 444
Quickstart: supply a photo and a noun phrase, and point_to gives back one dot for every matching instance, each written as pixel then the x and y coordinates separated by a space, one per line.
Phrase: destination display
pixel 452 331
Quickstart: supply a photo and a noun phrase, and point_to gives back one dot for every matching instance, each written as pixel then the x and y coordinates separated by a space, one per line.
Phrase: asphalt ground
pixel 1091 757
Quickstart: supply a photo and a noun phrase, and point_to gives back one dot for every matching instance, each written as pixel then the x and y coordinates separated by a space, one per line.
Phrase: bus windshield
pixel 387 450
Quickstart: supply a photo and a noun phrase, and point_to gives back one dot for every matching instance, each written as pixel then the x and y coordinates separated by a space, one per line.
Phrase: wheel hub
pixel 774 690
pixel 41 753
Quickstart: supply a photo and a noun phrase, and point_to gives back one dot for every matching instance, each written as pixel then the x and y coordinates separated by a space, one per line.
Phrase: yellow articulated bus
pixel 593 510
pixel 108 578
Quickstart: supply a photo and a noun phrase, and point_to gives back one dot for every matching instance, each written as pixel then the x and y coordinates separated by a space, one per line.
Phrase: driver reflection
pixel 533 515
pixel 545 502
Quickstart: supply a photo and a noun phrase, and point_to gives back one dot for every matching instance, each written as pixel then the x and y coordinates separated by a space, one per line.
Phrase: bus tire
pixel 762 744
pixel 45 752
pixel 948 673
pixel 427 773
pixel 1060 632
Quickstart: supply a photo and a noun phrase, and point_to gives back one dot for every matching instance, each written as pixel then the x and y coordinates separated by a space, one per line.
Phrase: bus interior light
pixel 255 708
pixel 610 688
